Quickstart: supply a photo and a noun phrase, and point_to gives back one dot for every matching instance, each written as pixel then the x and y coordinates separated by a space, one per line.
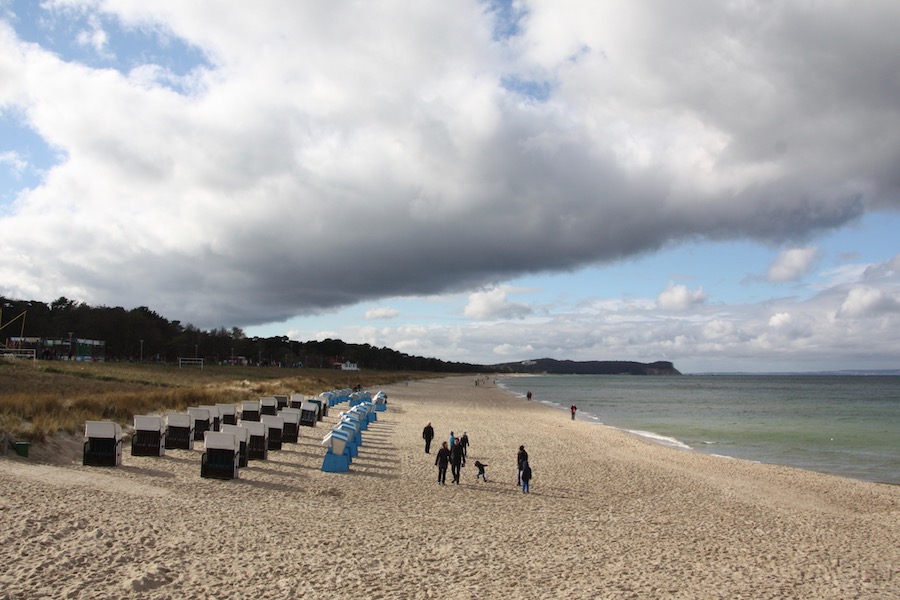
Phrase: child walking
pixel 526 477
pixel 480 466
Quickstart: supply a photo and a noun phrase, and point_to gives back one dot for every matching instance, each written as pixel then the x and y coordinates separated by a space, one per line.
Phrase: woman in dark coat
pixel 456 460
pixel 442 460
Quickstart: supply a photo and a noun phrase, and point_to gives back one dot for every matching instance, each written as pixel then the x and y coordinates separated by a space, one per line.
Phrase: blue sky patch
pixel 535 90
pixel 24 159
pixel 99 40
pixel 506 18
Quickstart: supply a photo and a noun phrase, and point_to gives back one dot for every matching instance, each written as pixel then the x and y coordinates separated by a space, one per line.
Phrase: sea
pixel 843 425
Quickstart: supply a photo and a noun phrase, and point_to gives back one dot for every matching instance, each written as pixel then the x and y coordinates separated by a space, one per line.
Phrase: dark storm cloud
pixel 302 173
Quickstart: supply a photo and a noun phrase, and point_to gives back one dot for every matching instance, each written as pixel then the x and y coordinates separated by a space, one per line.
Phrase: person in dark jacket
pixel 480 466
pixel 428 435
pixel 521 459
pixel 526 477
pixel 464 442
pixel 442 460
pixel 456 460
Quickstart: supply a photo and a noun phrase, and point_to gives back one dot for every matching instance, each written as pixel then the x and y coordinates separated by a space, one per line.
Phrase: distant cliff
pixel 590 367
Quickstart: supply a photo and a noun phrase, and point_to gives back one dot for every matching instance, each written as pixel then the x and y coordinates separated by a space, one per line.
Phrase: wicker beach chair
pixel 221 458
pixel 275 425
pixel 202 421
pixel 309 413
pixel 228 414
pixel 215 416
pixel 258 444
pixel 102 444
pixel 243 435
pixel 149 438
pixel 291 431
pixel 268 405
pixel 250 410
pixel 337 458
pixel 179 431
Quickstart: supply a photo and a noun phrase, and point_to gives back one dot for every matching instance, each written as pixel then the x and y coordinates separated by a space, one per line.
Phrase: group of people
pixel 452 454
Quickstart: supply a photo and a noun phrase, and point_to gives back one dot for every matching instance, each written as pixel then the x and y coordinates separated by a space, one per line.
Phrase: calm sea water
pixel 848 426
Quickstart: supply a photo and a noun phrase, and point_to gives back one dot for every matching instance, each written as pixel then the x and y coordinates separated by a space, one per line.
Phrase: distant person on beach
pixel 526 477
pixel 521 460
pixel 573 409
pixel 464 442
pixel 442 460
pixel 428 435
pixel 528 395
pixel 480 466
pixel 456 461
pixel 452 440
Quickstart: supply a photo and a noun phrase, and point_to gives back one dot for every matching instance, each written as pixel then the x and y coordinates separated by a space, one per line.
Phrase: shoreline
pixel 609 516
pixel 760 454
pixel 650 436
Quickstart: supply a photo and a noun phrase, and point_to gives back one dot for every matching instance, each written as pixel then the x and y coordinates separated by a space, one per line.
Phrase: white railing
pixel 27 353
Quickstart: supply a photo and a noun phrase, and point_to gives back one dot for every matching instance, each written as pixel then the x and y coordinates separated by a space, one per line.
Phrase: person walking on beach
pixel 573 409
pixel 464 442
pixel 521 460
pixel 442 460
pixel 480 466
pixel 526 477
pixel 452 440
pixel 456 461
pixel 428 435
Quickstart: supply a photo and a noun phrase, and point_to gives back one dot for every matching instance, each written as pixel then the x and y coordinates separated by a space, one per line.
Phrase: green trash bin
pixel 22 448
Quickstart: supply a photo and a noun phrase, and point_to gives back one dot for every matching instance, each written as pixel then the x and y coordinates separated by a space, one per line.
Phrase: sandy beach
pixel 609 516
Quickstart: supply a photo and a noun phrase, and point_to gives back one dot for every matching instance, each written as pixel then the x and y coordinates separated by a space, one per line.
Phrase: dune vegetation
pixel 40 399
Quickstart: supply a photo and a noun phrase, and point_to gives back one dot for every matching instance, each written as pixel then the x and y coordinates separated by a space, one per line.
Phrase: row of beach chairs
pixel 153 435
pixel 229 442
pixel 311 410
pixel 345 437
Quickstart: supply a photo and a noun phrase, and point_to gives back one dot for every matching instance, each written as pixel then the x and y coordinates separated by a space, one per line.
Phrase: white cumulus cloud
pixel 792 264
pixel 494 304
pixel 381 312
pixel 679 297
pixel 865 301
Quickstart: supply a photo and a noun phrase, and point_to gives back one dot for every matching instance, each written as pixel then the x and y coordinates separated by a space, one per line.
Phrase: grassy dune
pixel 39 400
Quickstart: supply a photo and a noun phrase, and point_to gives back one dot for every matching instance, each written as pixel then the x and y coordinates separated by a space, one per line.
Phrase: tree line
pixel 141 334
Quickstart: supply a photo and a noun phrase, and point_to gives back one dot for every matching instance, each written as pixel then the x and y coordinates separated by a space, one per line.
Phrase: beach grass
pixel 38 400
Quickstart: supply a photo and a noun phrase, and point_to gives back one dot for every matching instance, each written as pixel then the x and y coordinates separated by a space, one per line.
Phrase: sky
pixel 714 183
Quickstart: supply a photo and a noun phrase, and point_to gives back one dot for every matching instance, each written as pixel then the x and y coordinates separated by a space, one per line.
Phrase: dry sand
pixel 609 516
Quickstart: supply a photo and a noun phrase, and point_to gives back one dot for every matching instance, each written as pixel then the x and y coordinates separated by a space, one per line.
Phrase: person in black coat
pixel 428 435
pixel 442 460
pixel 521 459
pixel 456 460
pixel 464 442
